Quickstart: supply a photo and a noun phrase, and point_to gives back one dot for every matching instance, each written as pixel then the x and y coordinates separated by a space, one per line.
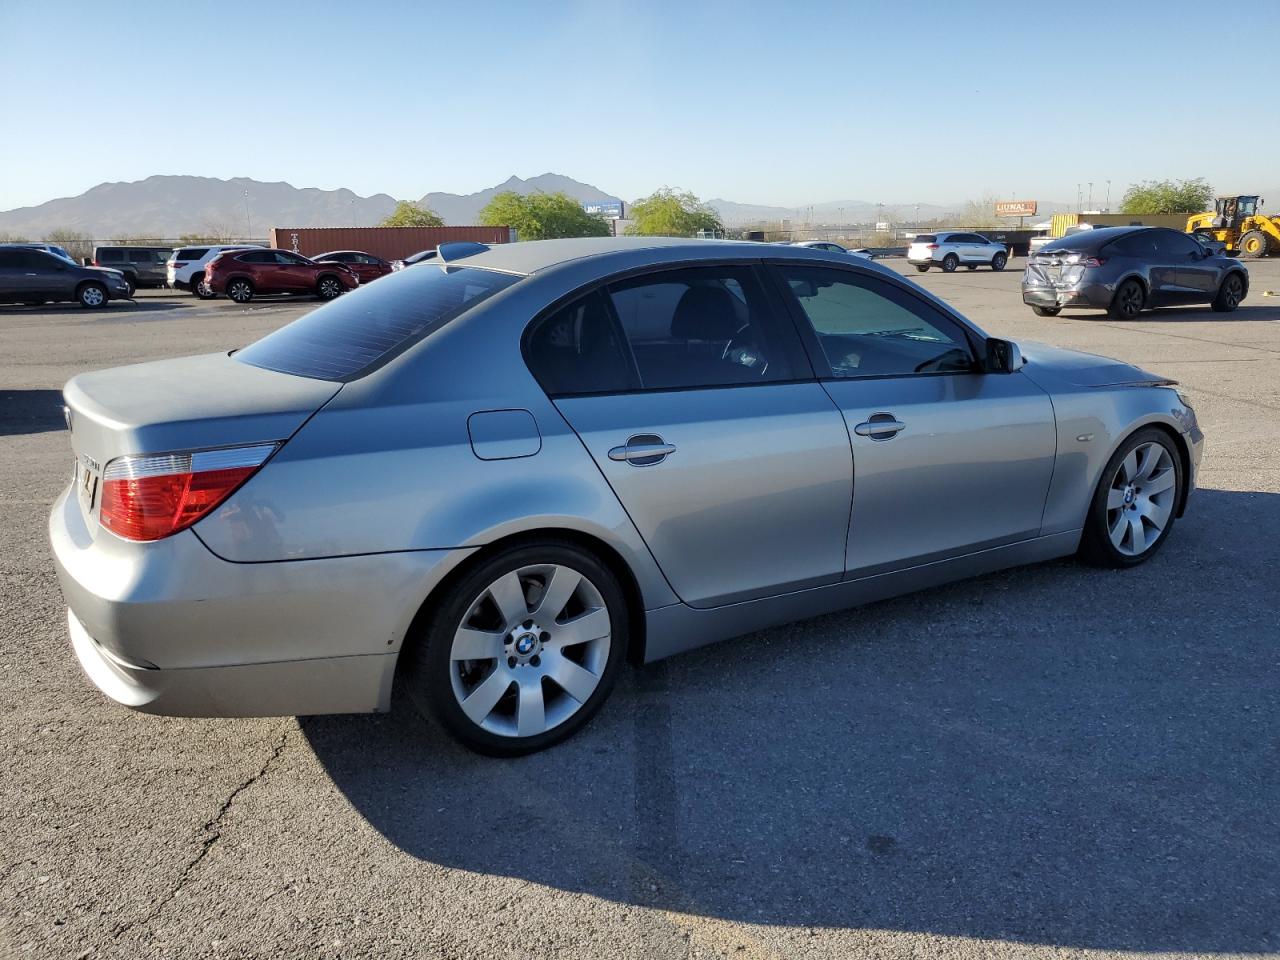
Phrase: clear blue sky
pixel 778 102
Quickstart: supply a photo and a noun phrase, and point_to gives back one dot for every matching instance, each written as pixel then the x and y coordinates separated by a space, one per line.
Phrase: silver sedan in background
pixel 502 474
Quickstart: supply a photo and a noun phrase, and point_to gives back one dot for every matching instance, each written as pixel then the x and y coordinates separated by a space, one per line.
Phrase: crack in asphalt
pixel 211 834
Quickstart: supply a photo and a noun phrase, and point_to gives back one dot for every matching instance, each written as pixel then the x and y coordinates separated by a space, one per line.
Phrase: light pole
pixel 1108 196
pixel 917 216
pixel 248 224
pixel 1090 194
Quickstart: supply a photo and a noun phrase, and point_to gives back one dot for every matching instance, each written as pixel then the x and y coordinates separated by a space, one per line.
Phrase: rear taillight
pixel 1092 261
pixel 931 246
pixel 150 497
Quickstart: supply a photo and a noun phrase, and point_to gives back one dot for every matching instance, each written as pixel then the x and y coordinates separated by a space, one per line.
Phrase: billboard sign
pixel 609 209
pixel 1015 208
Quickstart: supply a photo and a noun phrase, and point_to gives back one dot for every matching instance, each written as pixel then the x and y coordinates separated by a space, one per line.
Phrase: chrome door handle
pixel 643 450
pixel 881 426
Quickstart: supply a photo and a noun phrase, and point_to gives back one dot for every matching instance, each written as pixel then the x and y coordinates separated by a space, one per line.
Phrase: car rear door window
pixel 1171 245
pixel 190 253
pixel 703 327
pixel 350 336
pixel 867 327
pixel 580 349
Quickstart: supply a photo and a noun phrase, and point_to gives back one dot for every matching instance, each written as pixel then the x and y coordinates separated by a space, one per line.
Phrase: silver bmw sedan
pixel 499 474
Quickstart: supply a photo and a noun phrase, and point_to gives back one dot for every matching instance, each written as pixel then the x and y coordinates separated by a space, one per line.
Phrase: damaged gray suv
pixel 498 476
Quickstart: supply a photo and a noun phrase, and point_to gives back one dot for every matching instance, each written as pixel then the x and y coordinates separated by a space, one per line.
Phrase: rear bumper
pixel 168 627
pixel 360 684
pixel 1090 295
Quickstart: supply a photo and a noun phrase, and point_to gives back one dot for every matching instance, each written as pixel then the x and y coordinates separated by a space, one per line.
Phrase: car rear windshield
pixel 190 253
pixel 925 238
pixel 348 337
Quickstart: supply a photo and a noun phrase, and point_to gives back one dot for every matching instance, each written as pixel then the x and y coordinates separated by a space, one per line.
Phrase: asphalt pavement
pixel 1054 761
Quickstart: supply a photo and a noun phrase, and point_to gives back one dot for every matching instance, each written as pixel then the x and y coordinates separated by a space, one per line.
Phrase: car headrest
pixel 705 313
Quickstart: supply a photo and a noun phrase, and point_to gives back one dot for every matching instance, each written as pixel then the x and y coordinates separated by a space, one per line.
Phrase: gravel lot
pixel 1053 761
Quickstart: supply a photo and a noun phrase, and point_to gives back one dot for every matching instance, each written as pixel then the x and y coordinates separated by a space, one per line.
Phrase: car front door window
pixel 867 328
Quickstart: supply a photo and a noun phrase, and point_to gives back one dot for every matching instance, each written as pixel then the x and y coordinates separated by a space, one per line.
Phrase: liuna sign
pixel 1015 208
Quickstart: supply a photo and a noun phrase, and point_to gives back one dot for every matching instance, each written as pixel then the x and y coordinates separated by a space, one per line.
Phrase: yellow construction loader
pixel 1236 222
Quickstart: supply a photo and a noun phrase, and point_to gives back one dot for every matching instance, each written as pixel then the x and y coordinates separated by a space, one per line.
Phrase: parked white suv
pixel 951 248
pixel 185 267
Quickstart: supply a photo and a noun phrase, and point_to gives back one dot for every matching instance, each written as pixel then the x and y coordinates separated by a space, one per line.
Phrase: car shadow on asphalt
pixel 1249 314
pixel 1055 755
pixel 112 308
pixel 30 411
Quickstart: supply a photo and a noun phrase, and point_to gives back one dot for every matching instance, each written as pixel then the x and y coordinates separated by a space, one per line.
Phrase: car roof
pixel 1100 235
pixel 530 256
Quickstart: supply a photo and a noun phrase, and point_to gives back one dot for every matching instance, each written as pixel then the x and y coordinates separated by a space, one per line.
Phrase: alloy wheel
pixel 240 292
pixel 1130 299
pixel 1231 295
pixel 530 651
pixel 329 288
pixel 92 296
pixel 1140 499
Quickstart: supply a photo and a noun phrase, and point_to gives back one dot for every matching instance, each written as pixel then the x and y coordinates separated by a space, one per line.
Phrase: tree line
pixel 554 216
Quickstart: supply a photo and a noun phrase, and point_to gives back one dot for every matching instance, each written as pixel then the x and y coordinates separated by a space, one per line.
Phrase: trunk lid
pixel 191 403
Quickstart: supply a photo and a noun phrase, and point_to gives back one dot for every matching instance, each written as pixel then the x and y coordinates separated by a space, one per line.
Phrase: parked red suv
pixel 243 274
pixel 365 265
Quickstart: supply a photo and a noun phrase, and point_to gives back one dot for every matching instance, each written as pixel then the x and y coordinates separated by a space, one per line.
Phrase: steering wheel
pixel 743 351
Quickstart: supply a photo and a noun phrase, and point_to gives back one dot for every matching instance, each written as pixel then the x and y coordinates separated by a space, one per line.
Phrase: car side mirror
pixel 1003 356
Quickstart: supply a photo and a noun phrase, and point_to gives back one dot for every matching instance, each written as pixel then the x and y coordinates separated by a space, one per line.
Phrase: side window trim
pixel 904 297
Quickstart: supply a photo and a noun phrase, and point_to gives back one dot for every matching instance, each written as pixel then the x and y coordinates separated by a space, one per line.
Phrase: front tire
pixel 522 650
pixel 92 296
pixel 998 261
pixel 328 288
pixel 1229 294
pixel 241 291
pixel 1128 301
pixel 1046 311
pixel 1133 510
pixel 950 262
pixel 1253 245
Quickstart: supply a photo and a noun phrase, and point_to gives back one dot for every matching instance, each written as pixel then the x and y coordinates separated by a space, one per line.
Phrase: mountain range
pixel 170 206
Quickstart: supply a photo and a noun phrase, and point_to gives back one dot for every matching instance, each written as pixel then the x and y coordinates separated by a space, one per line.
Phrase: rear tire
pixel 1136 500
pixel 922 268
pixel 92 295
pixel 950 262
pixel 1128 301
pixel 470 617
pixel 998 261
pixel 1253 245
pixel 1046 311
pixel 971 266
pixel 200 290
pixel 241 291
pixel 1229 294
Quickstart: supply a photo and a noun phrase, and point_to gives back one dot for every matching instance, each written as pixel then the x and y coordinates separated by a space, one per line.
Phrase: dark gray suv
pixel 1125 270
pixel 142 266
pixel 34 277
